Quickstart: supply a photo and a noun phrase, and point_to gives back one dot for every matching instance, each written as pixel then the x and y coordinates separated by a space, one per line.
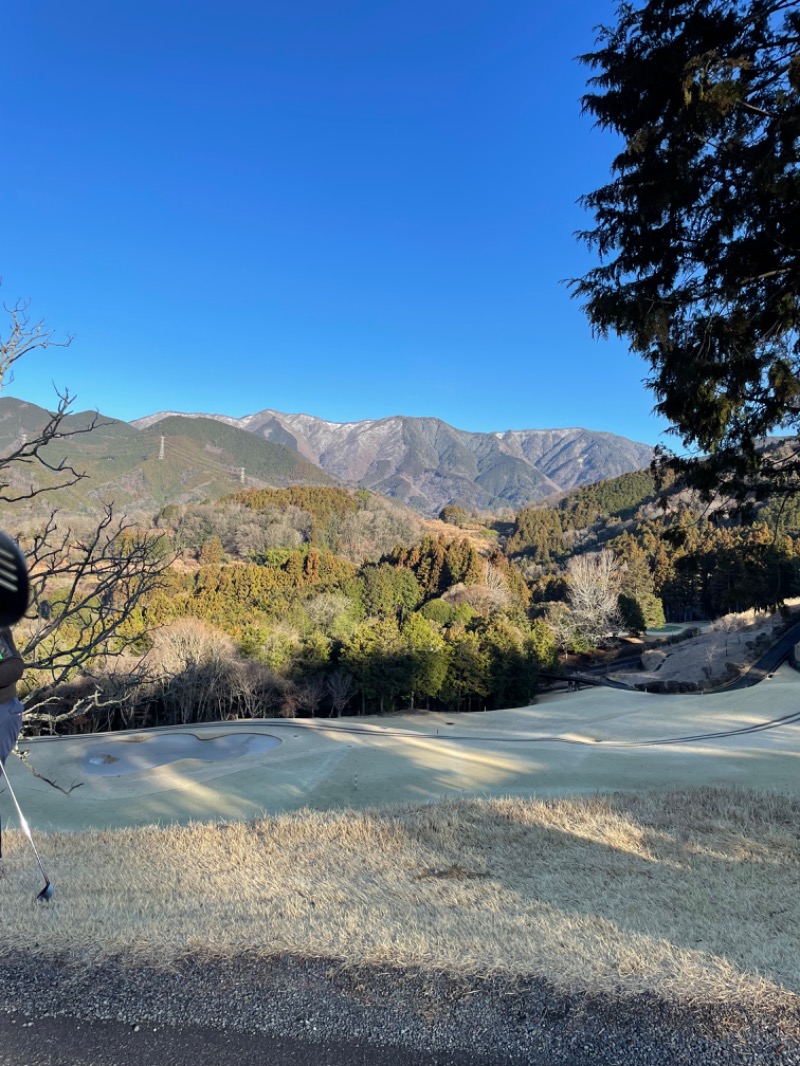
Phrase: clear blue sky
pixel 351 209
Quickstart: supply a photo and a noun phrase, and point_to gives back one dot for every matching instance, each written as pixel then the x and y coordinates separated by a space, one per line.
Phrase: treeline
pixel 545 532
pixel 431 625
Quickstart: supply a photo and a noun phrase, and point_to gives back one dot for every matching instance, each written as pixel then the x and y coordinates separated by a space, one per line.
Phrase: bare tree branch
pixel 21 339
pixel 84 591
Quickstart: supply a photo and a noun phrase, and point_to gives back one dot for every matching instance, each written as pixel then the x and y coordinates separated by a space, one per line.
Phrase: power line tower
pixel 161 449
pixel 241 475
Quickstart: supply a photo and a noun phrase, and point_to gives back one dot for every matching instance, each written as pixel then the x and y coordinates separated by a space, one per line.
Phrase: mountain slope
pixel 427 463
pixel 202 458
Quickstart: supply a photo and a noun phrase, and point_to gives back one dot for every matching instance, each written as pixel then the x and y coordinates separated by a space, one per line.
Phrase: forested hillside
pixel 180 460
pixel 323 600
pixel 318 601
pixel 671 547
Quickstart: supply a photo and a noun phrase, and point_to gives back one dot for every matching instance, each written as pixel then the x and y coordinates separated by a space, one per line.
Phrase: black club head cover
pixel 14 584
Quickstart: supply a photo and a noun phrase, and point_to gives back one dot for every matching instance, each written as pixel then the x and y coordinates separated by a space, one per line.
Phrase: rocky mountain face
pixel 428 464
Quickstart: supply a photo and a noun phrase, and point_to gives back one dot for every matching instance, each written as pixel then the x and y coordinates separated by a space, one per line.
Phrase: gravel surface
pixel 498 1021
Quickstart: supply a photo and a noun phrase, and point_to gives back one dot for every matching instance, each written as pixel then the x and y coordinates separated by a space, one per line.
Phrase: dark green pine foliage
pixel 631 614
pixel 698 231
pixel 537 533
pixel 513 663
pixel 453 515
pixel 389 590
pixel 618 497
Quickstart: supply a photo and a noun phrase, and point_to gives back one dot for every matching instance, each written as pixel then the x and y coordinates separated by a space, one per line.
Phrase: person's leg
pixel 10 725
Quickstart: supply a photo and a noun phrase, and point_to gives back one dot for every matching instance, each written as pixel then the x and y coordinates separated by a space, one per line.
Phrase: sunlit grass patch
pixel 692 895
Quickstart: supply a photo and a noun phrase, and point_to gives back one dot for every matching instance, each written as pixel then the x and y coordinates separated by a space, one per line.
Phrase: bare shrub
pixel 309 695
pixel 192 666
pixel 341 688
pixel 374 530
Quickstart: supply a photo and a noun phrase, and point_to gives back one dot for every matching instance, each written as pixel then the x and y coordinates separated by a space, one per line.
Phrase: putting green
pixel 595 740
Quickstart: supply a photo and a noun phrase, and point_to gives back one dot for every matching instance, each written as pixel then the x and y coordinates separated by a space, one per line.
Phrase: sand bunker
pixel 115 756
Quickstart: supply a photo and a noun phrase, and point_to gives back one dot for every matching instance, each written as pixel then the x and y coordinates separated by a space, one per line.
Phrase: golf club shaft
pixel 23 822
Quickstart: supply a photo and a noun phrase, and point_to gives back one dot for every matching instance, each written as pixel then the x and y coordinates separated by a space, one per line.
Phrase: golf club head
pixel 46 893
pixel 14 585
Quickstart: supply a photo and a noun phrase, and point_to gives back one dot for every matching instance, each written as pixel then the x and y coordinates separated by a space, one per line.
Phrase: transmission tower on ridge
pixel 161 449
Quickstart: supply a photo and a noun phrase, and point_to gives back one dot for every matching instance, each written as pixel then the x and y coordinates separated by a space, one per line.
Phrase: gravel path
pixel 474 1022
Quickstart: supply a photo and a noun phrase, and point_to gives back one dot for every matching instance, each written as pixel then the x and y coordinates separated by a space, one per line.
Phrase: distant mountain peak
pixel 150 420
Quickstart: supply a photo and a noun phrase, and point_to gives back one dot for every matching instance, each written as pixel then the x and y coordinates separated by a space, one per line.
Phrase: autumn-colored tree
pixel 211 553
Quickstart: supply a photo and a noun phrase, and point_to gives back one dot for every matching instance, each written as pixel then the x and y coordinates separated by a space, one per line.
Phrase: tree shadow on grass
pixel 691 892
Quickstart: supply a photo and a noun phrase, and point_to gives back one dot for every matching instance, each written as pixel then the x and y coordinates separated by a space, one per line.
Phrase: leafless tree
pixel 265 692
pixel 559 618
pixel 482 598
pixel 495 584
pixel 340 689
pixel 309 695
pixel 728 624
pixel 84 592
pixel 711 656
pixel 593 582
pixel 192 667
pixel 374 530
pixel 325 609
pixel 22 337
pixel 289 701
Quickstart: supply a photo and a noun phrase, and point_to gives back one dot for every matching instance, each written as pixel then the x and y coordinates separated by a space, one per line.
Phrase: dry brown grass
pixel 692 895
